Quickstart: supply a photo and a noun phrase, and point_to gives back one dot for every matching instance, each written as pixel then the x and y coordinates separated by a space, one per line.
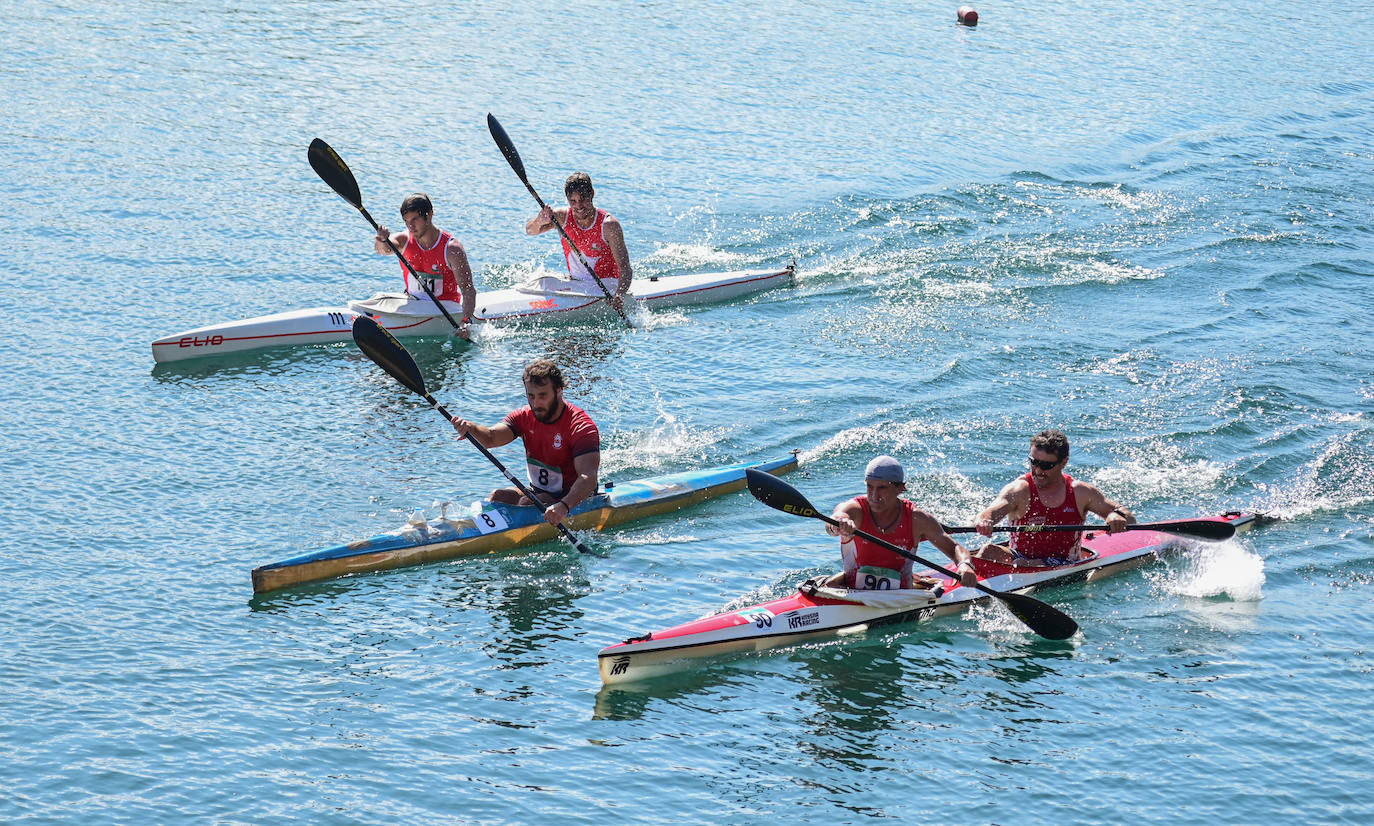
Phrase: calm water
pixel 1148 224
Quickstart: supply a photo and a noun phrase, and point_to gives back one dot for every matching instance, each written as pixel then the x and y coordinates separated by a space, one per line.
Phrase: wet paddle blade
pixel 1042 618
pixel 1201 528
pixel 333 171
pixel 380 346
pixel 498 134
pixel 777 494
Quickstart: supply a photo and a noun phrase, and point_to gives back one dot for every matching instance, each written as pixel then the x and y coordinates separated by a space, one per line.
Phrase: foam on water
pixel 1213 569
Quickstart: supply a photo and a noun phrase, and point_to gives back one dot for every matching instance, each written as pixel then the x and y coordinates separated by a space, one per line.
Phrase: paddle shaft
pixel 520 486
pixel 503 142
pixel 1202 528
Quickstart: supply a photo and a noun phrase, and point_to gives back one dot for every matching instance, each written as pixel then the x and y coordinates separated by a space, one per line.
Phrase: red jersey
pixel 551 448
pixel 432 262
pixel 592 244
pixel 870 566
pixel 1055 545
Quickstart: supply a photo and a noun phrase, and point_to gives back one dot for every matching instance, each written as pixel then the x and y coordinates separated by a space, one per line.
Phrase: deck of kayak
pixel 497 527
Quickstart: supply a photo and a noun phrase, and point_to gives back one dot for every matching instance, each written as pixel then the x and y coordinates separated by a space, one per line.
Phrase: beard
pixel 548 416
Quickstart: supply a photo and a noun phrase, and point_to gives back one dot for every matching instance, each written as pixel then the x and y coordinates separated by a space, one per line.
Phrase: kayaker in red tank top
pixel 591 242
pixel 883 513
pixel 432 252
pixel 1046 496
pixel 597 234
pixel 1062 545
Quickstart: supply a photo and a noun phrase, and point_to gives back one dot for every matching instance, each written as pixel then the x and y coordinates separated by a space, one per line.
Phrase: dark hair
pixel 417 202
pixel 579 182
pixel 543 371
pixel 1052 441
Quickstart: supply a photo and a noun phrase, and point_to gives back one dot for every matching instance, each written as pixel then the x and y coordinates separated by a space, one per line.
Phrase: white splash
pixel 1214 569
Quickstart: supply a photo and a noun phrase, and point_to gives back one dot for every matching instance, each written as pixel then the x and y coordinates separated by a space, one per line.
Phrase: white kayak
pixel 404 316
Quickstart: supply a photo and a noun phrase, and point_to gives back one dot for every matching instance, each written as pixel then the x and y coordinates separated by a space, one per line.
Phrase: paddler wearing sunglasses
pixel 1046 496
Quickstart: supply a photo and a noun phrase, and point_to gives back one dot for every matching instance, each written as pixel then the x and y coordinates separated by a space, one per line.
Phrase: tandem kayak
pixel 497 527
pixel 815 613
pixel 404 316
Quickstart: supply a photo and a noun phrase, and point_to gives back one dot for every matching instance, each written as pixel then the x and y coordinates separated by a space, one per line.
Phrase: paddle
pixel 1043 619
pixel 1200 528
pixel 333 171
pixel 498 134
pixel 379 345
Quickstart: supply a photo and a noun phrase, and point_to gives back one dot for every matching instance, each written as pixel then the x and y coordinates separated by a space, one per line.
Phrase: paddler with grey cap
pixel 882 511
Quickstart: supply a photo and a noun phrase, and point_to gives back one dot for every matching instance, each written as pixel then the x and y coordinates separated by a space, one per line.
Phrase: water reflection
pixel 582 351
pixel 855 689
pixel 529 598
pixel 629 701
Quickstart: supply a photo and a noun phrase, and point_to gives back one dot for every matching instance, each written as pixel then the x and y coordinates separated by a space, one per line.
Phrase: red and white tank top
pixel 592 244
pixel 1055 545
pixel 432 262
pixel 870 566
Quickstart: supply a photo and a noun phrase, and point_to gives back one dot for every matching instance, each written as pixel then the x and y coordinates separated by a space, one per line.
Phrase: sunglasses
pixel 1043 464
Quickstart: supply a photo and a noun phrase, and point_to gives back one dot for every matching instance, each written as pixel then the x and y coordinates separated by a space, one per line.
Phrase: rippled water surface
pixel 1150 225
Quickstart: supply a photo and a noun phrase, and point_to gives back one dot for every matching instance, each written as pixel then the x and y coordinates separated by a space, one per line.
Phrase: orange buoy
pixel 967 15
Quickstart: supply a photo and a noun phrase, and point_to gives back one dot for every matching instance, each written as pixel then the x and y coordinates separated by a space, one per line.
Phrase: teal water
pixel 1150 225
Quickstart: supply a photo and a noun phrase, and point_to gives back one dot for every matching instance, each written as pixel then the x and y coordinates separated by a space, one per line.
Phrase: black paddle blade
pixel 1042 618
pixel 777 494
pixel 1200 528
pixel 498 134
pixel 333 171
pixel 380 346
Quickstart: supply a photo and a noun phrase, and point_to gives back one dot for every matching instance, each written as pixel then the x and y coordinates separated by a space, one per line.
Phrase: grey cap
pixel 885 469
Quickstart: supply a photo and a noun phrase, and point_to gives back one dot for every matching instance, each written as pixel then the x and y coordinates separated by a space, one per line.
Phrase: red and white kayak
pixel 816 613
pixel 404 316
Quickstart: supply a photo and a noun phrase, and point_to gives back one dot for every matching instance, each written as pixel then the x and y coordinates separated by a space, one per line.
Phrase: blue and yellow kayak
pixel 498 527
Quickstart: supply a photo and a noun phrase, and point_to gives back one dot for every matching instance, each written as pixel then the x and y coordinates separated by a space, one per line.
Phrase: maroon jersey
pixel 870 566
pixel 551 448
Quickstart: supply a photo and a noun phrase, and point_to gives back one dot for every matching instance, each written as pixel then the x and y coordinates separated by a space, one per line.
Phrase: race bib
pixel 871 578
pixel 547 479
pixel 487 521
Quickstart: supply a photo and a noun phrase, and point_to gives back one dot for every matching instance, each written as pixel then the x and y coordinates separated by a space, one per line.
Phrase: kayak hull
pixel 501 527
pixel 406 317
pixel 819 615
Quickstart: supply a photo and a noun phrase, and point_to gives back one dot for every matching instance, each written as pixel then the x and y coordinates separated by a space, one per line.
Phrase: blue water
pixel 1150 225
